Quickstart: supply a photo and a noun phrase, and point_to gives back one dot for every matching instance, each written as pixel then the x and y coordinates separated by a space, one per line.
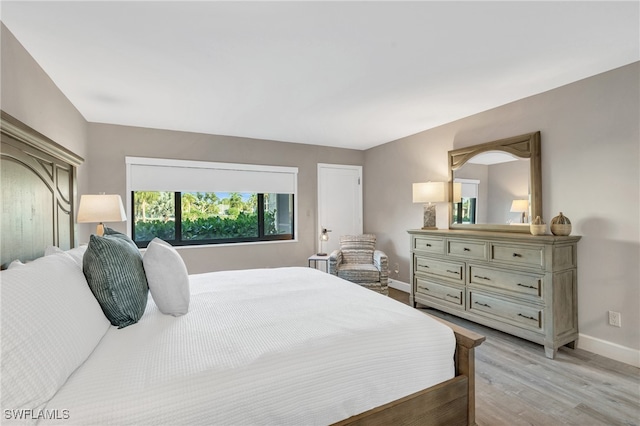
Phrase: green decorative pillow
pixel 113 267
pixel 115 234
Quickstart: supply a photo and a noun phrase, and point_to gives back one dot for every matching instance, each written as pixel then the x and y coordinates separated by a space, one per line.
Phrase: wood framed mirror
pixel 490 182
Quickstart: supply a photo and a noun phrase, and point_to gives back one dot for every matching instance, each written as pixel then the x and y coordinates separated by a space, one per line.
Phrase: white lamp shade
pixel 429 192
pixel 520 206
pixel 457 192
pixel 101 208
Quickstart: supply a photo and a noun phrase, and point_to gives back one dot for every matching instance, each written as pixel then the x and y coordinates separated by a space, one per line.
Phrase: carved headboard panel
pixel 38 184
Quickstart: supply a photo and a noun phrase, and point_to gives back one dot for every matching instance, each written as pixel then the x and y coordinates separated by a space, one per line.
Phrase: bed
pixel 267 346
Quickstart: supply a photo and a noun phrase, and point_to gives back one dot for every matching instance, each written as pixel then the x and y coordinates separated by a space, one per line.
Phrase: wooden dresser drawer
pixel 451 270
pixel 429 245
pixel 532 256
pixel 442 292
pixel 467 249
pixel 521 284
pixel 517 314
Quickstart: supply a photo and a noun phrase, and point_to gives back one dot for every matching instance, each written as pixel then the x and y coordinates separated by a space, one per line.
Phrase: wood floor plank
pixel 517 385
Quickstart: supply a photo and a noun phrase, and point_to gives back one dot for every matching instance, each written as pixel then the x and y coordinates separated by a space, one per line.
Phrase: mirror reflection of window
pixel 466 210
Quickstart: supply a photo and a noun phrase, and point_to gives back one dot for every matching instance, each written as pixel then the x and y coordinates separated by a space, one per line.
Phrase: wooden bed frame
pixel 38 198
pixel 38 192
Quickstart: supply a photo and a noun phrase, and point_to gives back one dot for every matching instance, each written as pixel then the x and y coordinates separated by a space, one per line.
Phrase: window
pixel 194 215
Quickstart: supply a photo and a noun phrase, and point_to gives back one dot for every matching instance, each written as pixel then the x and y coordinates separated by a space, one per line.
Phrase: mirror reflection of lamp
pixel 429 193
pixel 324 236
pixel 101 208
pixel 457 192
pixel 520 206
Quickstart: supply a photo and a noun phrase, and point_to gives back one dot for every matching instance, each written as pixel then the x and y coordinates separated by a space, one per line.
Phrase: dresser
pixel 518 283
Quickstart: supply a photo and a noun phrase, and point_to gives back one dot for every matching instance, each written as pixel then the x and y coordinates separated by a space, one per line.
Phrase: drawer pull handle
pixel 517 255
pixel 423 266
pixel 451 295
pixel 466 249
pixel 428 245
pixel 453 272
pixel 527 286
pixel 423 288
pixel 528 317
pixel 483 278
pixel 483 304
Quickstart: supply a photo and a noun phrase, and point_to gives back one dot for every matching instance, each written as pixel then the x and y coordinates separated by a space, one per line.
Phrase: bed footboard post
pixel 466 366
pixel 465 361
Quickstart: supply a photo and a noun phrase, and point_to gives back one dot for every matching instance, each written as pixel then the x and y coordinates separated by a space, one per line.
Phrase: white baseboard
pixel 592 344
pixel 610 350
pixel 399 285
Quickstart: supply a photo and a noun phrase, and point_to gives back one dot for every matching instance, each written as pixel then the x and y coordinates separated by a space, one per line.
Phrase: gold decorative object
pixel 538 227
pixel 560 225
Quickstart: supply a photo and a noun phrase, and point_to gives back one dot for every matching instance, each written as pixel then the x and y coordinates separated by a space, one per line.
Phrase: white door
pixel 339 203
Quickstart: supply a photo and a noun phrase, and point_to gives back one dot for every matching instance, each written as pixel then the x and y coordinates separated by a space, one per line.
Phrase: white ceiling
pixel 346 74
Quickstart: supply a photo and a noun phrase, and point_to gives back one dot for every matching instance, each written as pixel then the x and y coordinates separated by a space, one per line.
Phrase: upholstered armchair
pixel 358 261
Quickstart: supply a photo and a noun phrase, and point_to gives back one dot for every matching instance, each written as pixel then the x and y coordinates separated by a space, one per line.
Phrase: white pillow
pixel 15 264
pixel 167 277
pixel 52 250
pixel 50 325
pixel 76 253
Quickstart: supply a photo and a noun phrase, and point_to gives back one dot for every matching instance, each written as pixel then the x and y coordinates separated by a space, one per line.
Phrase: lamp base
pixel 429 219
pixel 430 228
pixel 100 229
pixel 321 254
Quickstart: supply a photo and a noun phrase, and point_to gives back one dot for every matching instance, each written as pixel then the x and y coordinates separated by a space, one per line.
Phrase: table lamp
pixel 520 206
pixel 429 193
pixel 101 208
pixel 324 236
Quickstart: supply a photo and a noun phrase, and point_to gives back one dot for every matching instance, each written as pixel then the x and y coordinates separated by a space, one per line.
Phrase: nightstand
pixel 317 258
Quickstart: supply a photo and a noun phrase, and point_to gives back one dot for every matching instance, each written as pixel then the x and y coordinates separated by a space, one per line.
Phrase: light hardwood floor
pixel 517 385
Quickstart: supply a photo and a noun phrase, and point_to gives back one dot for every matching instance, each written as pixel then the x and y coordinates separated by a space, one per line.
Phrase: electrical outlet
pixel 396 268
pixel 615 319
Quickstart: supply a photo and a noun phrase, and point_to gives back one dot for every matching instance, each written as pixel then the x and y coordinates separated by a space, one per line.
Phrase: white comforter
pixel 286 346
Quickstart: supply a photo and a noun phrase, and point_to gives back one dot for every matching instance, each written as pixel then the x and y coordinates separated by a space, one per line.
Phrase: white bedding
pixel 285 346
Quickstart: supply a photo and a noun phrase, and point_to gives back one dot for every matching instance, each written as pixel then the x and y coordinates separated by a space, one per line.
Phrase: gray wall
pixel 590 172
pixel 109 144
pixel 29 95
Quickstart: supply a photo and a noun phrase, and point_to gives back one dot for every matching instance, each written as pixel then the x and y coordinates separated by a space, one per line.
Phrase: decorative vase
pixel 538 226
pixel 560 225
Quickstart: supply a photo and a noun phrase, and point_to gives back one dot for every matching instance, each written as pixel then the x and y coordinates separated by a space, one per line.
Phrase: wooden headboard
pixel 38 183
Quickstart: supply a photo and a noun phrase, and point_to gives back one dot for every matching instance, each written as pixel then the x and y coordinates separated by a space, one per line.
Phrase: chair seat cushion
pixel 359 273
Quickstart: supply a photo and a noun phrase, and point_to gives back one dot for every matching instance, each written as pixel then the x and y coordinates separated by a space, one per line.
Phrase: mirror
pixel 496 186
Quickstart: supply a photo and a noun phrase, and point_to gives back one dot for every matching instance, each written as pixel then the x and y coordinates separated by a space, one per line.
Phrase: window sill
pixel 249 243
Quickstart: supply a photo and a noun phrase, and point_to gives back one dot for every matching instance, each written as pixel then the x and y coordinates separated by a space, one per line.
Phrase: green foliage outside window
pixel 205 216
